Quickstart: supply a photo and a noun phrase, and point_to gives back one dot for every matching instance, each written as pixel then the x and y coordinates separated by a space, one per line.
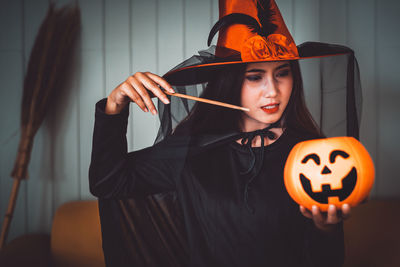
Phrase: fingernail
pixel 154 112
pixel 314 208
pixel 146 110
pixel 331 206
pixel 345 206
pixel 166 101
pixel 171 90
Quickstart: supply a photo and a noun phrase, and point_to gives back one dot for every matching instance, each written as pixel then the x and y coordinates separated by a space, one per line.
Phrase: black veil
pixel 330 79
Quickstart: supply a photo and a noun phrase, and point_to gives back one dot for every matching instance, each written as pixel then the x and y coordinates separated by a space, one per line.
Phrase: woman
pixel 236 210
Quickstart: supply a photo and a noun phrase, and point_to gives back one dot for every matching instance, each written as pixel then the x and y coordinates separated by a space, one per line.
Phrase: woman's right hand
pixel 135 89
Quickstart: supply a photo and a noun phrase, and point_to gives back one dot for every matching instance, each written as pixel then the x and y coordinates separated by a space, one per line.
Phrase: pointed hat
pixel 249 31
pixel 256 29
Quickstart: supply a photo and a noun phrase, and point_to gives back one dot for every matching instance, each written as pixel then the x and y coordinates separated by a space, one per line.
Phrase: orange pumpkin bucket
pixel 335 170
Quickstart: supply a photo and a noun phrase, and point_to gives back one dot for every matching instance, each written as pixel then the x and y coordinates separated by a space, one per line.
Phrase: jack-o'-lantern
pixel 328 171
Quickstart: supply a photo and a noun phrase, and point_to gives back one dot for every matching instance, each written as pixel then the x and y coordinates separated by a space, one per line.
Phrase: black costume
pixel 228 220
pixel 203 199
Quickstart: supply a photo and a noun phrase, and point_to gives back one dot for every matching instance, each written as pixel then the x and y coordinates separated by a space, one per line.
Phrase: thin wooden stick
pixel 10 211
pixel 213 102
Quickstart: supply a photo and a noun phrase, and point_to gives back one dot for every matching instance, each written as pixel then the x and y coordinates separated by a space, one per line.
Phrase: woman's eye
pixel 253 77
pixel 283 73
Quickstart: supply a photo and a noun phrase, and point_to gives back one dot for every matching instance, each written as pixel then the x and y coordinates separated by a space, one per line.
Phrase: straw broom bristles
pixel 51 54
pixel 50 58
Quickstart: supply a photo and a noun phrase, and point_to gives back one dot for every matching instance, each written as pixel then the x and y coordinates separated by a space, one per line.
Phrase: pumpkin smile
pixel 329 171
pixel 348 185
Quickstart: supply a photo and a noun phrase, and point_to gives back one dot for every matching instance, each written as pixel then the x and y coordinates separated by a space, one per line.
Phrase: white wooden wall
pixel 120 37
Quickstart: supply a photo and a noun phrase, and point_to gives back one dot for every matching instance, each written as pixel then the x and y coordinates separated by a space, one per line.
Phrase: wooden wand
pixel 213 102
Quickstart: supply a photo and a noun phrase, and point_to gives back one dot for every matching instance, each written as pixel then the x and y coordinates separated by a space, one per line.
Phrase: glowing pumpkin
pixel 327 171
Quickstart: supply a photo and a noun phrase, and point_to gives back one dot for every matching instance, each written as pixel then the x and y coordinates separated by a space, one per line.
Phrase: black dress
pixel 233 215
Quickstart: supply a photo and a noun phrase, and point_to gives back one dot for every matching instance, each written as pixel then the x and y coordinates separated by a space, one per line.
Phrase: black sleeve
pixel 324 249
pixel 115 173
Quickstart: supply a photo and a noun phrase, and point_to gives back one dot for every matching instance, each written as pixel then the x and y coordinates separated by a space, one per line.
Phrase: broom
pixel 50 59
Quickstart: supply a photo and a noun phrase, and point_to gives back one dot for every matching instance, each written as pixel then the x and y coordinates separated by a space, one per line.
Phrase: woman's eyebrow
pixel 282 66
pixel 255 70
pixel 262 70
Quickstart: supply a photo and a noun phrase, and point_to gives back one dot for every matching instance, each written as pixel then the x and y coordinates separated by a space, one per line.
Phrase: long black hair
pixel 225 85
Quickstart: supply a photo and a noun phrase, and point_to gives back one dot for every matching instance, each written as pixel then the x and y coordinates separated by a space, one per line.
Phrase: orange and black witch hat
pixel 249 31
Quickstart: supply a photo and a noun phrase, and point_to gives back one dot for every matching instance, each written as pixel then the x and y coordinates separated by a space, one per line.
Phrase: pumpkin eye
pixel 313 157
pixel 335 153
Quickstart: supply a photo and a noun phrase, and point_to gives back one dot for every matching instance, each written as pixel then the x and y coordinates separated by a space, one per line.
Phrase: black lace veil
pixel 330 79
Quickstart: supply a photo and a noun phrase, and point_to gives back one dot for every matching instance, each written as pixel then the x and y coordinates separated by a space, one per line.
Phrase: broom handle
pixel 9 214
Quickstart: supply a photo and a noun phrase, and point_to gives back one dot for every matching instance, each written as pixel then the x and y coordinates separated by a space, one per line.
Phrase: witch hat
pixel 249 31
pixel 258 34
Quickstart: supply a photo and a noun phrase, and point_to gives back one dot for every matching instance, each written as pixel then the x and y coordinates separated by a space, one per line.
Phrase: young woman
pixel 236 211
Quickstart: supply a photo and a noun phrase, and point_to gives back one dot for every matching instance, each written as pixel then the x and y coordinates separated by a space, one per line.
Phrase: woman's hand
pixel 327 221
pixel 135 89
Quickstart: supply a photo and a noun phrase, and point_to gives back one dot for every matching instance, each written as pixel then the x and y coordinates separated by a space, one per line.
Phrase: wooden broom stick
pixel 9 213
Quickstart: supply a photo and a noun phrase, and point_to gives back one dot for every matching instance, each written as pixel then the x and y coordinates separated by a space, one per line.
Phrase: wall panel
pixel 286 9
pixel 11 66
pixel 196 16
pixel 91 77
pixel 388 57
pixel 65 137
pixel 117 47
pixel 92 21
pixel 145 52
pixel 214 17
pixel 91 91
pixel 361 36
pixel 11 45
pixel 170 34
pixel 11 20
pixel 333 29
pixel 333 21
pixel 306 20
pixel 306 27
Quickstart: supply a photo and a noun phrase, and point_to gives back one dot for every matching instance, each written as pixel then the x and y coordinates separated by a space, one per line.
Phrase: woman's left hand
pixel 327 221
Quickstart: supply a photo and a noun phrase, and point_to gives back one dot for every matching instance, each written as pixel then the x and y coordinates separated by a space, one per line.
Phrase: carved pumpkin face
pixel 327 171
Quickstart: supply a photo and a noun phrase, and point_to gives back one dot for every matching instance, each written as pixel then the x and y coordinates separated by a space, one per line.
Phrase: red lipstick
pixel 272 108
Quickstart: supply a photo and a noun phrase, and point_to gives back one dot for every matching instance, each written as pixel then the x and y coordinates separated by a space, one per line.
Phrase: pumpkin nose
pixel 326 170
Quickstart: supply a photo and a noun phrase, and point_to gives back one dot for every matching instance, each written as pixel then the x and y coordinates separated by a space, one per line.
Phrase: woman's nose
pixel 271 89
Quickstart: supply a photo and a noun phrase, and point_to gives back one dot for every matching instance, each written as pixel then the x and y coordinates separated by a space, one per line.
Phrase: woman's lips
pixel 270 108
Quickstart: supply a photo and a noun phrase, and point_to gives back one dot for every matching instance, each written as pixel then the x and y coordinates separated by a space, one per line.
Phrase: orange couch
pixel 75 240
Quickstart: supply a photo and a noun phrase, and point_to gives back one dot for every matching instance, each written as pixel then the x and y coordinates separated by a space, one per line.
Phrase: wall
pixel 120 37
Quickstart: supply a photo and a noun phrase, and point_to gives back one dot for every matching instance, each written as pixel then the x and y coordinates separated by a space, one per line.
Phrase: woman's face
pixel 266 91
